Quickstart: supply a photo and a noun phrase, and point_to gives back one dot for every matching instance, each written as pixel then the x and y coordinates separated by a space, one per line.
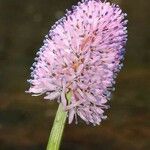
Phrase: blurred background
pixel 25 121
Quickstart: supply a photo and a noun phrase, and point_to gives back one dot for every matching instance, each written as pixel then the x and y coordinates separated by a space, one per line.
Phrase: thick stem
pixel 58 127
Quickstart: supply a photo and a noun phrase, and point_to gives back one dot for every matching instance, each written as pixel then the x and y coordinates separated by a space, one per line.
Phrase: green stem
pixel 58 127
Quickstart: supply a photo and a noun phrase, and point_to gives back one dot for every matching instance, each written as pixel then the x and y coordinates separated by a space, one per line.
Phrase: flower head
pixel 82 54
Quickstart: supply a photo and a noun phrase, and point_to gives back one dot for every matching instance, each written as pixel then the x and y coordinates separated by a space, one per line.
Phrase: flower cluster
pixel 82 55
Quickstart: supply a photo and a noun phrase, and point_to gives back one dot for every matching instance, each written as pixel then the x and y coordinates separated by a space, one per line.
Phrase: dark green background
pixel 25 121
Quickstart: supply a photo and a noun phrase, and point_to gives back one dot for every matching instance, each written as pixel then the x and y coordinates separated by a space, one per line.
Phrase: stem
pixel 58 127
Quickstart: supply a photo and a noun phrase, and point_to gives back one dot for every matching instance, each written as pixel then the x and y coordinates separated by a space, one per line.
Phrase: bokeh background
pixel 25 121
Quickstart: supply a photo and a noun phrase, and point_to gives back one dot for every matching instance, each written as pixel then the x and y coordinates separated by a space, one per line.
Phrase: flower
pixel 82 55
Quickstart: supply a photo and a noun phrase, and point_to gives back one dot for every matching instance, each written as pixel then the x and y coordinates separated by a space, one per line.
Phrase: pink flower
pixel 82 54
